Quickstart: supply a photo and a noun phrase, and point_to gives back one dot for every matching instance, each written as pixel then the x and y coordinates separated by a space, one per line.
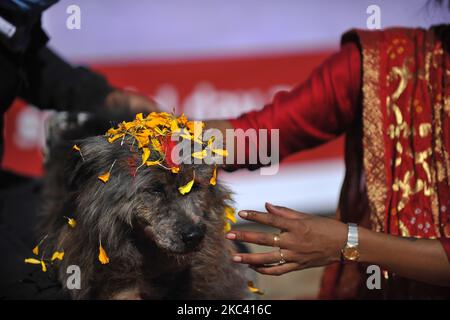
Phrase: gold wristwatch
pixel 351 251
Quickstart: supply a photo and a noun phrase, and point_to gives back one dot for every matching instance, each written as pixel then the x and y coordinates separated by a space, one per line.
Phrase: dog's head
pixel 142 200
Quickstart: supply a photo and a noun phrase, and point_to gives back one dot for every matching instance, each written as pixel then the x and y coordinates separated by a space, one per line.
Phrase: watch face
pixel 351 253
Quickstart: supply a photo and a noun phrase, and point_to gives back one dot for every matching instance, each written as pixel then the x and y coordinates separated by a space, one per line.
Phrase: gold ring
pixel 282 260
pixel 276 240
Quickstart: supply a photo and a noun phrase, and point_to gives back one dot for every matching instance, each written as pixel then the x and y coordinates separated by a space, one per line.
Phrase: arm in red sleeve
pixel 315 111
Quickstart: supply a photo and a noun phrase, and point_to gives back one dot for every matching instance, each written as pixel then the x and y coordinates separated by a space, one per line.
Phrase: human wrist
pixel 340 241
pixel 368 240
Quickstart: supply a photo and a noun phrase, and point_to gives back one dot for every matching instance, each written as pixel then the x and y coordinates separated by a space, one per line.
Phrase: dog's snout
pixel 193 235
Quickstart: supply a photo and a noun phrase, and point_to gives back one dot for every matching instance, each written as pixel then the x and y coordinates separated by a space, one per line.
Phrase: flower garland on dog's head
pixel 153 135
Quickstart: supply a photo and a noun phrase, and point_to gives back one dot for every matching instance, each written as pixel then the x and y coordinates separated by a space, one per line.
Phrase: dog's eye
pixel 155 190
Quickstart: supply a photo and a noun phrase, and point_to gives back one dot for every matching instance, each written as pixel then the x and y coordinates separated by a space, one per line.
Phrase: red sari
pixel 389 92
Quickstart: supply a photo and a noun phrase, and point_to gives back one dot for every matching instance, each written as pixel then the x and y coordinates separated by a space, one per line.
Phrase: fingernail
pixel 237 258
pixel 230 236
pixel 273 205
pixel 243 214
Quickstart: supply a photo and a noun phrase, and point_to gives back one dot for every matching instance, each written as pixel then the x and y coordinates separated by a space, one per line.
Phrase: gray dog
pixel 161 244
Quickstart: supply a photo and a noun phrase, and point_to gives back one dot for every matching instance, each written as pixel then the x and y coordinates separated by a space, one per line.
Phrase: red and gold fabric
pixel 389 92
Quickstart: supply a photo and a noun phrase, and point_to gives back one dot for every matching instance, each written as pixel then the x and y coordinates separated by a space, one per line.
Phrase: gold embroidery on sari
pixel 424 129
pixel 437 107
pixel 403 229
pixel 373 141
pixel 401 74
pixel 431 165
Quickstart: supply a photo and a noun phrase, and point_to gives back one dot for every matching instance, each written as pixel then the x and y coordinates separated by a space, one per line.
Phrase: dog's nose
pixel 193 236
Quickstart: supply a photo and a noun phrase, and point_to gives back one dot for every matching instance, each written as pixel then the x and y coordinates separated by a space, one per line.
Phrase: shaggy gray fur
pixel 140 219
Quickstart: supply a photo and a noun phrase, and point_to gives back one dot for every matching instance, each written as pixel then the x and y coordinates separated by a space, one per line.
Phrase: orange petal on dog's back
pixel 102 256
pixel 186 188
pixel 253 289
pixel 36 250
pixel 104 177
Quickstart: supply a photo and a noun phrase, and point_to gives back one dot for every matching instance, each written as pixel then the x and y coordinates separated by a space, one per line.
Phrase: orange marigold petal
pixel 104 177
pixel 102 256
pixel 253 289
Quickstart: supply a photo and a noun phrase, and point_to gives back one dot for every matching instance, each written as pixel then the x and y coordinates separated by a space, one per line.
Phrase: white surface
pixel 307 187
pixel 177 29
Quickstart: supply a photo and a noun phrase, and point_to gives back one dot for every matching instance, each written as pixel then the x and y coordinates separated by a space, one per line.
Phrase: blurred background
pixel 217 59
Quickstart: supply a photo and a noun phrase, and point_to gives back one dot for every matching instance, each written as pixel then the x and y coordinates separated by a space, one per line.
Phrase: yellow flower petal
pixel 44 267
pixel 186 188
pixel 113 138
pixel 140 117
pixel 145 154
pixel 36 250
pixel 104 177
pixel 161 132
pixel 152 163
pixel 174 126
pixel 58 255
pixel 102 256
pixel 200 154
pixel 182 120
pixel 213 179
pixel 32 261
pixel 156 145
pixel 210 141
pixel 71 222
pixel 175 169
pixel 253 289
pixel 230 214
pixel 196 128
pixel 227 227
pixel 221 152
pixel 76 148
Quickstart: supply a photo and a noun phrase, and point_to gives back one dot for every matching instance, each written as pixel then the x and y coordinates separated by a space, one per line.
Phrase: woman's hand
pixel 304 240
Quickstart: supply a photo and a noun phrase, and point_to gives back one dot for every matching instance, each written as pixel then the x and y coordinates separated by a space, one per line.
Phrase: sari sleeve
pixel 315 111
